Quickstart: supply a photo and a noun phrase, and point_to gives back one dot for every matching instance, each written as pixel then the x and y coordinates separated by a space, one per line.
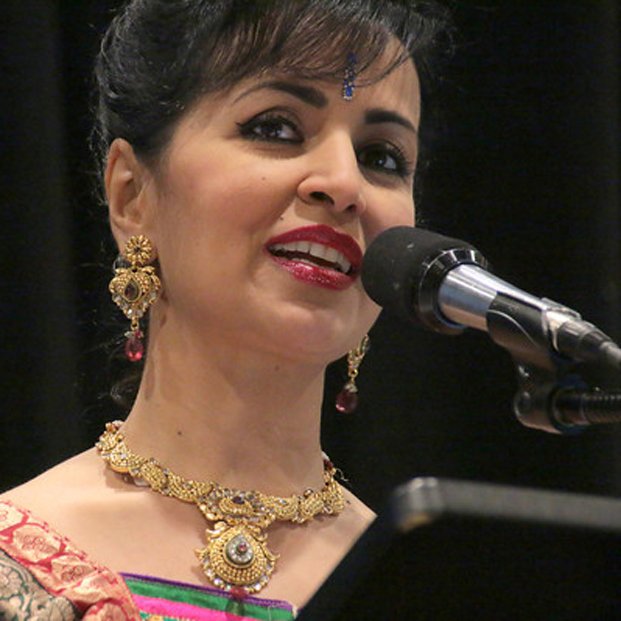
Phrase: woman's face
pixel 265 201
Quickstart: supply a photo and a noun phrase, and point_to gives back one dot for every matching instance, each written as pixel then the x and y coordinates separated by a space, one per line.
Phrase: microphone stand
pixel 552 395
pixel 562 403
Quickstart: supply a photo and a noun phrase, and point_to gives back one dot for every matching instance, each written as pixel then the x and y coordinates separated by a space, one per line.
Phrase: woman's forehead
pixel 397 93
pixel 344 68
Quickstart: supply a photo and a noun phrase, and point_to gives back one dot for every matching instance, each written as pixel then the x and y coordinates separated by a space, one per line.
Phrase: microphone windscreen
pixel 396 263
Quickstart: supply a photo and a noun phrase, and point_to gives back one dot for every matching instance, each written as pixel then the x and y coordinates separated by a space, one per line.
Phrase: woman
pixel 250 153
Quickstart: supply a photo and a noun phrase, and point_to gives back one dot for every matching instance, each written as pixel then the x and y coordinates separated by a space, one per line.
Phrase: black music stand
pixel 451 550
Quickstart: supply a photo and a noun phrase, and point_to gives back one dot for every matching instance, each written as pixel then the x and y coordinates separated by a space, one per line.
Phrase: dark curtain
pixel 524 165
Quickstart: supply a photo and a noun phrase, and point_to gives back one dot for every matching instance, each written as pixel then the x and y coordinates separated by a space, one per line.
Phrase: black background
pixel 525 166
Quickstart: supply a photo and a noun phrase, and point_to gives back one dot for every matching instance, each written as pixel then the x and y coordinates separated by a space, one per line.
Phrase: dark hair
pixel 159 56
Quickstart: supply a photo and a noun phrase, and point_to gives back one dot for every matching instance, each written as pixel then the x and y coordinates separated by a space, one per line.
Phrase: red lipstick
pixel 318 255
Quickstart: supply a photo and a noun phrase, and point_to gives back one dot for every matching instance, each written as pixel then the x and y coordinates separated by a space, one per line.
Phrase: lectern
pixel 459 551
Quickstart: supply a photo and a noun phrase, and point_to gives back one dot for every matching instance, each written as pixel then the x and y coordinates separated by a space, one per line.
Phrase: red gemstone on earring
pixel 346 401
pixel 134 347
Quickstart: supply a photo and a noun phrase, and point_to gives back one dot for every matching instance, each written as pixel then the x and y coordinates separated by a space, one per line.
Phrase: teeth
pixel 331 255
pixel 320 251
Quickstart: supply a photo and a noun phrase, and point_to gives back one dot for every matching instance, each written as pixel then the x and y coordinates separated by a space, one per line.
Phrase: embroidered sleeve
pixel 23 598
pixel 40 568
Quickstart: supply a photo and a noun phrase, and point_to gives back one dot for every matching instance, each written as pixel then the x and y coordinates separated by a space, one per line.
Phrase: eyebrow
pixel 307 94
pixel 317 99
pixel 380 115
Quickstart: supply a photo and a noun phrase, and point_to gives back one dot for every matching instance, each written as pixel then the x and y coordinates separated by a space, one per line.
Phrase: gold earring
pixel 134 289
pixel 347 399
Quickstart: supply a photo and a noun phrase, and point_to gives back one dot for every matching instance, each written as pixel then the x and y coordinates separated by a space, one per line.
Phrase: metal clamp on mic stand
pixel 552 395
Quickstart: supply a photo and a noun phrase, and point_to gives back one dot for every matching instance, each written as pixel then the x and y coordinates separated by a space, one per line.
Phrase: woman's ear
pixel 125 182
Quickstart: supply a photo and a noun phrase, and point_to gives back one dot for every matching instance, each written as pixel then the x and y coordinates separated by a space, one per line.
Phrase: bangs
pixel 312 40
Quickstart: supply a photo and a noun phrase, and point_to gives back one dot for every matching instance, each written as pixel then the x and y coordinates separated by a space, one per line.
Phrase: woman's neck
pixel 245 420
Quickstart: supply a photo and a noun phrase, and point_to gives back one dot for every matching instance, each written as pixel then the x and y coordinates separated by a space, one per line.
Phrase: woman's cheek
pixel 393 215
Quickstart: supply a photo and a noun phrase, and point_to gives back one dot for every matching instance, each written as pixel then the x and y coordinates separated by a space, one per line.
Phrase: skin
pixel 233 381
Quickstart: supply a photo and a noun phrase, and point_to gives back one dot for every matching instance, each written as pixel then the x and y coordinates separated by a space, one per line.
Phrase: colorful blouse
pixel 43 576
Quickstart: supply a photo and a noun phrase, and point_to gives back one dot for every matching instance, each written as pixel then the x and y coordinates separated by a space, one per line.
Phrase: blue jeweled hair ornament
pixel 349 81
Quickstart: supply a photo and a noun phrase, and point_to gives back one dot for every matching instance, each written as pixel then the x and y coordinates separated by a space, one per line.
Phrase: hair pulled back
pixel 159 56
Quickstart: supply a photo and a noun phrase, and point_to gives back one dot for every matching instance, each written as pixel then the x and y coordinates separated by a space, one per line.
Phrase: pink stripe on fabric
pixel 164 607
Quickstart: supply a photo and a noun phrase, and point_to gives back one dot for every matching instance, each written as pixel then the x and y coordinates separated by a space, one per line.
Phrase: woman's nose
pixel 334 178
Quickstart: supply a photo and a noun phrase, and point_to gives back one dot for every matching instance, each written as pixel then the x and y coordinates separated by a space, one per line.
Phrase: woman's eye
pixel 385 159
pixel 271 128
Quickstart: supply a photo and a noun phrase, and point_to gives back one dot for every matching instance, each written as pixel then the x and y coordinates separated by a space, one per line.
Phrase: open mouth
pixel 313 253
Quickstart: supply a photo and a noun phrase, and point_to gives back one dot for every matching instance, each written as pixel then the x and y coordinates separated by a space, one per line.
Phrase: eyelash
pixel 273 120
pixel 403 166
pixel 251 130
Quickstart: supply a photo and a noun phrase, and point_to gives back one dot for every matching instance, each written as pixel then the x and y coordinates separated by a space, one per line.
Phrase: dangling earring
pixel 347 399
pixel 134 289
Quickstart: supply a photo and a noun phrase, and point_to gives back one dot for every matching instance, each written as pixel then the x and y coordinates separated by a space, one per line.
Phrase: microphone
pixel 445 285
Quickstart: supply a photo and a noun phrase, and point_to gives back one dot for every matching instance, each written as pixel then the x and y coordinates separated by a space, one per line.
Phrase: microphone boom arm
pixel 551 396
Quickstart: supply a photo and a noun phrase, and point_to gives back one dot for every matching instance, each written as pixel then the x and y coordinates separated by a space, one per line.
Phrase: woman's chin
pixel 320 340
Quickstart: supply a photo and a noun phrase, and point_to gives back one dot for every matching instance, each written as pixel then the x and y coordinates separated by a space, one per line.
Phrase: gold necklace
pixel 236 555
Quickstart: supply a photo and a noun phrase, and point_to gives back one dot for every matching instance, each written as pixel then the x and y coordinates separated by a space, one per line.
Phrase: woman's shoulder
pixel 71 500
pixel 66 493
pixel 62 485
pixel 43 574
pixel 358 515
pixel 76 469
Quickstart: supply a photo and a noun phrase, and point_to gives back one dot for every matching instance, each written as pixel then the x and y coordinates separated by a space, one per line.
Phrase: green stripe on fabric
pixel 22 596
pixel 203 599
